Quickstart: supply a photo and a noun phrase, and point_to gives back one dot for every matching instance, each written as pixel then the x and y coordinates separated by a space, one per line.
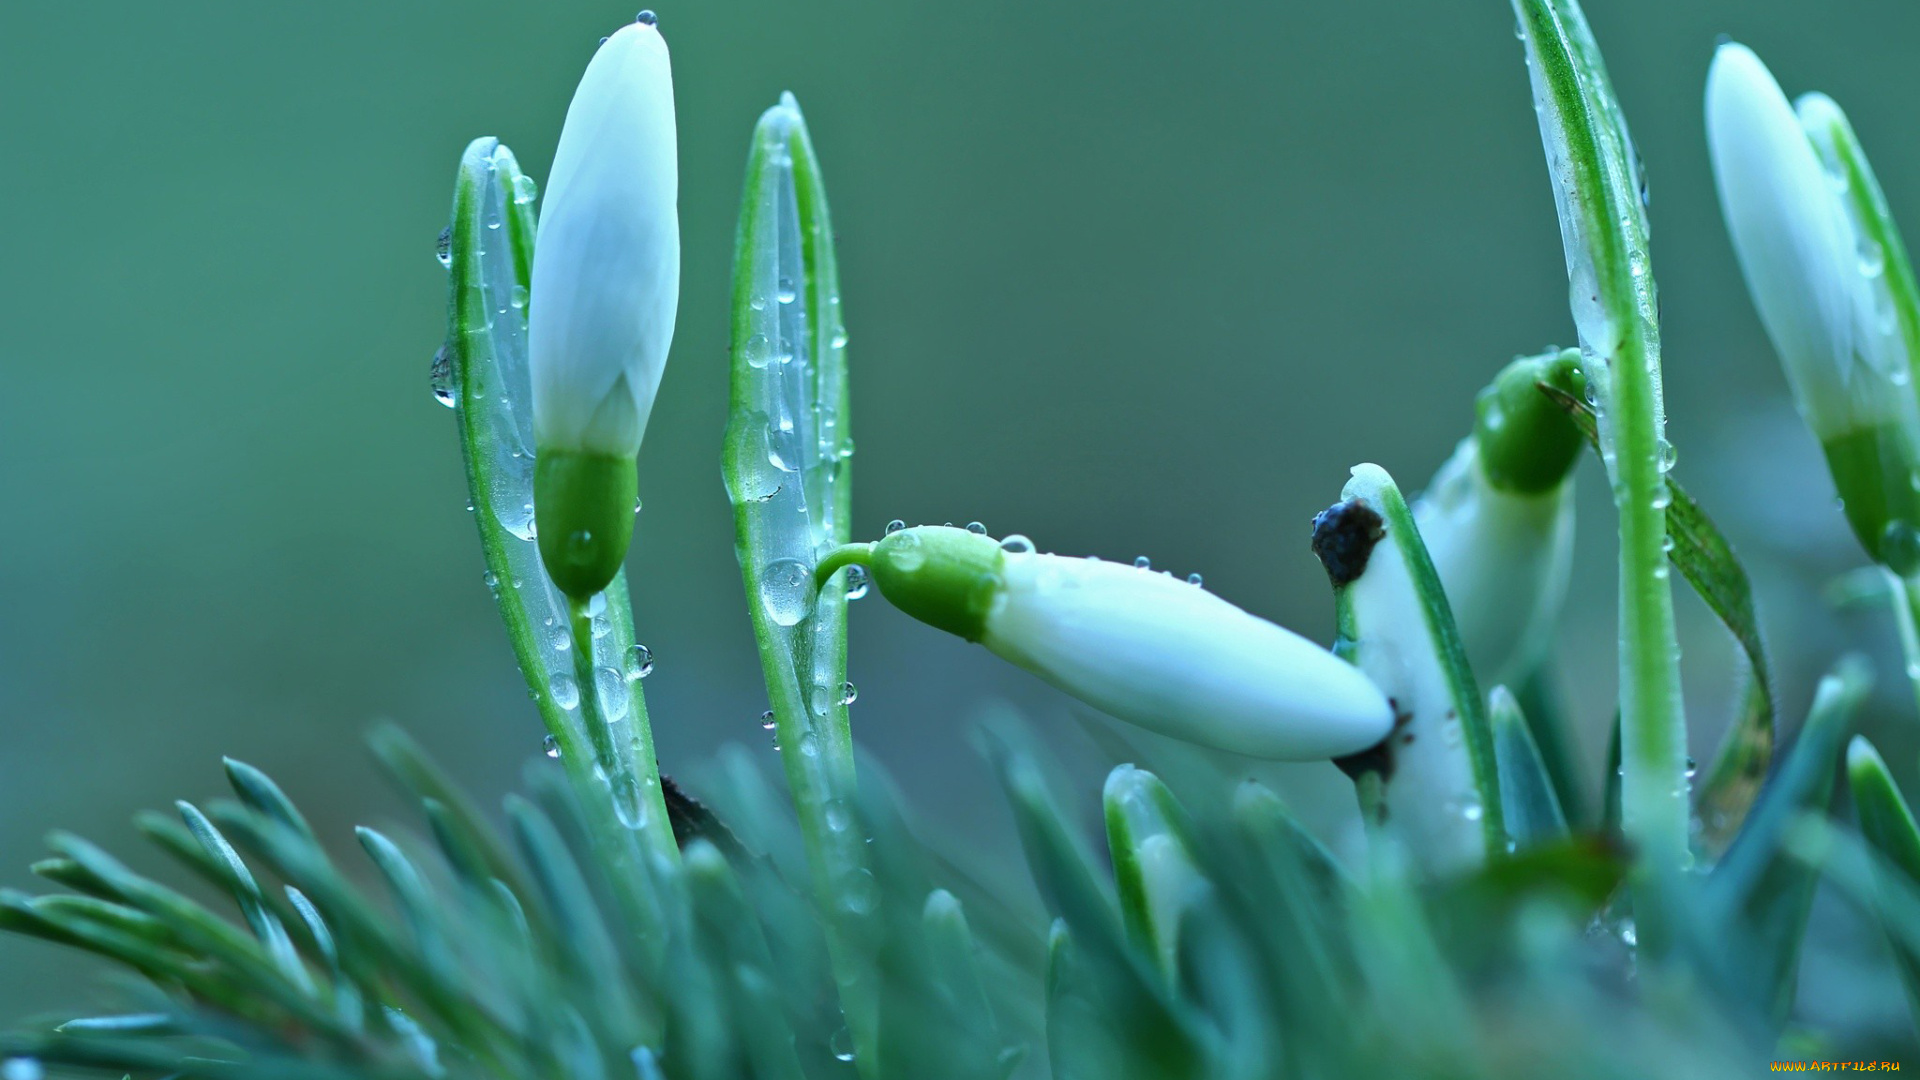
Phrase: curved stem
pixel 839 559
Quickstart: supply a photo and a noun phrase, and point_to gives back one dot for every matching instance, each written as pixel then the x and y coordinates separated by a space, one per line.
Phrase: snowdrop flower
pixel 1144 647
pixel 1498 521
pixel 606 285
pixel 1803 212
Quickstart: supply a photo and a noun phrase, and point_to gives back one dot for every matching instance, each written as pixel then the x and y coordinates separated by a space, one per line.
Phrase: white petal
pixel 1795 242
pixel 1172 657
pixel 1503 559
pixel 606 267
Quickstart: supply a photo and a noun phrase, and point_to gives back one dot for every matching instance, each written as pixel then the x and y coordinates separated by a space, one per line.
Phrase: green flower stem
pixel 1597 187
pixel 622 746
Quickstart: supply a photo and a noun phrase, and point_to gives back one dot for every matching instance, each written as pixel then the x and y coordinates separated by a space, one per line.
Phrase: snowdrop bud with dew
pixel 1498 520
pixel 606 286
pixel 1147 648
pixel 1799 204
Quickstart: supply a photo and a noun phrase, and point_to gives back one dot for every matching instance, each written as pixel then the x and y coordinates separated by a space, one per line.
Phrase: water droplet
pixel 639 662
pixel 519 297
pixel 443 247
pixel 895 526
pixel 566 692
pixel 976 528
pixel 766 720
pixel 757 351
pixel 524 189
pixel 783 447
pixel 1016 544
pixel 839 339
pixel 492 579
pixel 440 377
pixel 558 636
pixel 1873 259
pixel 552 745
pixel 1662 498
pixel 842 1045
pixel 785 293
pixel 601 626
pixel 907 556
pixel 646 18
pixel 615 700
pixel 1142 563
pixel 1629 936
pixel 859 897
pixel 1471 811
pixel 1692 768
pixel 857 582
pixel 786 591
pixel 848 694
pixel 1666 455
pixel 757 303
pixel 1195 579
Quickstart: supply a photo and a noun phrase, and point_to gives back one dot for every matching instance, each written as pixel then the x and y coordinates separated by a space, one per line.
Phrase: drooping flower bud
pixel 1829 277
pixel 1144 647
pixel 1498 521
pixel 606 287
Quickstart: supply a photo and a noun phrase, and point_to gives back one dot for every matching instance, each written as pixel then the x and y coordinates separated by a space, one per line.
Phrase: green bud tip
pixel 947 578
pixel 583 505
pixel 1528 444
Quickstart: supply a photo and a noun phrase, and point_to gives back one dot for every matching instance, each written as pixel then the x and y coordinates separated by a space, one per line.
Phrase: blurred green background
pixel 1126 277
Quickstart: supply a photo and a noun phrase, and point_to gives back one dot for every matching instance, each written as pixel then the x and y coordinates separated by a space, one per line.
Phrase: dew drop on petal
pixel 1016 544
pixel 566 692
pixel 857 582
pixel 1142 563
pixel 895 526
pixel 766 720
pixel 976 528
pixel 552 746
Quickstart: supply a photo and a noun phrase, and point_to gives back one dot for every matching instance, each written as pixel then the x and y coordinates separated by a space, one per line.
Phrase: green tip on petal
pixel 943 576
pixel 583 505
pixel 1528 444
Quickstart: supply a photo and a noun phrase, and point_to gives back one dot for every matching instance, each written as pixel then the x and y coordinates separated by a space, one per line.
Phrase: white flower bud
pixel 1144 647
pixel 1504 557
pixel 606 264
pixel 1801 250
pixel 1815 242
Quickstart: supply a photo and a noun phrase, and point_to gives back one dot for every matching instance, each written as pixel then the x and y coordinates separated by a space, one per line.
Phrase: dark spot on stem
pixel 1344 535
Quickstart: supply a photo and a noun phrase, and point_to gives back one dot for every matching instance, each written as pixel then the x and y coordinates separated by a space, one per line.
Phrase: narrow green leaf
pixel 1526 792
pixel 1759 885
pixel 1887 823
pixel 246 891
pixel 787 467
pixel 1599 190
pixel 257 790
pixel 1153 865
